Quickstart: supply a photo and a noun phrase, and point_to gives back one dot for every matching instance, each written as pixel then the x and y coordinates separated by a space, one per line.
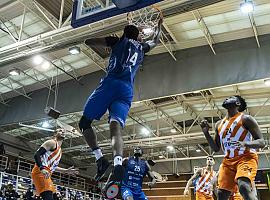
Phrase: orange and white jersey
pixel 233 130
pixel 204 184
pixel 51 159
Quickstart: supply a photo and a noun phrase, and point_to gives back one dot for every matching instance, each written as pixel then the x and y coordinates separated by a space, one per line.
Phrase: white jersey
pixel 51 159
pixel 233 130
pixel 204 184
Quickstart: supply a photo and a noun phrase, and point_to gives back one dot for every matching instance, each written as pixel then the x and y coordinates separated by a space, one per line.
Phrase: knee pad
pixel 84 123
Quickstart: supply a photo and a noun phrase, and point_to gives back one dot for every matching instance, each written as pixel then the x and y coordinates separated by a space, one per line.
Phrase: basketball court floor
pixel 208 51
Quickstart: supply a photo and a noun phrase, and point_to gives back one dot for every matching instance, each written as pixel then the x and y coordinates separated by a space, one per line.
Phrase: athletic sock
pixel 98 153
pixel 117 160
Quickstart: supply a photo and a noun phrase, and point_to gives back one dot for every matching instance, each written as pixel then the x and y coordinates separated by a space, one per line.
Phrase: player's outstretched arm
pixel 153 43
pixel 46 146
pixel 214 143
pixel 189 183
pixel 102 42
pixel 71 170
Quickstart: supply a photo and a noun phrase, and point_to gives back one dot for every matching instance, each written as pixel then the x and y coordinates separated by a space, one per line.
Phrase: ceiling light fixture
pixel 267 82
pixel 14 72
pixel 160 156
pixel 45 124
pixel 74 50
pixel 170 148
pixel 45 65
pixel 198 150
pixel 173 130
pixel 38 60
pixel 145 131
pixel 247 6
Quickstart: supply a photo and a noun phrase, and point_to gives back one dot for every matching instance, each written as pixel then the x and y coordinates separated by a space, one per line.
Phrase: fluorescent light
pixel 247 6
pixel 170 148
pixel 45 65
pixel 38 60
pixel 160 156
pixel 198 150
pixel 197 92
pixel 74 50
pixel 14 72
pixel 145 131
pixel 267 82
pixel 173 130
pixel 45 124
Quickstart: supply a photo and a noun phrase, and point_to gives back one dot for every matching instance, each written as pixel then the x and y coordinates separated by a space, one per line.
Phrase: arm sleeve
pixel 37 155
pixel 111 40
pixel 146 47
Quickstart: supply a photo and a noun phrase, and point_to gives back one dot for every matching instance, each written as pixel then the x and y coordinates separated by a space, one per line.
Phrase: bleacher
pixel 17 172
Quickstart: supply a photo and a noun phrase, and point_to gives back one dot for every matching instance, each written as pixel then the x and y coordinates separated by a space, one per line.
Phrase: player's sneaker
pixel 102 166
pixel 118 173
pixel 113 185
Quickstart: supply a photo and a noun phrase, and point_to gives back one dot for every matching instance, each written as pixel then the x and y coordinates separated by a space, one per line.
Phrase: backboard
pixel 89 11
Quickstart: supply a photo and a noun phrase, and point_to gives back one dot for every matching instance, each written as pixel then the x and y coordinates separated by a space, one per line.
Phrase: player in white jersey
pixel 204 185
pixel 239 136
pixel 47 158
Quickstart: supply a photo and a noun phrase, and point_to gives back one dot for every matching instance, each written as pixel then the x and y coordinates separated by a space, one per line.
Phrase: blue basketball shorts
pixel 113 95
pixel 136 194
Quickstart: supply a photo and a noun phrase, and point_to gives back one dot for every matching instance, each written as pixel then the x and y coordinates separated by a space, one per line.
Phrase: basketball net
pixel 146 19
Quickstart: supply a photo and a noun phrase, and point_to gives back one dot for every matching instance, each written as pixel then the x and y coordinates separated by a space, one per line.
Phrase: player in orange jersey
pixel 239 136
pixel 47 158
pixel 204 178
pixel 234 195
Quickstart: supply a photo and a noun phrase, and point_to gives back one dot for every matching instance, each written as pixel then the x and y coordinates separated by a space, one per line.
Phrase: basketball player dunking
pixel 239 136
pixel 115 93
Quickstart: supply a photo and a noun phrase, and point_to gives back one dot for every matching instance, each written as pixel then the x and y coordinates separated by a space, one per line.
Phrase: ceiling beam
pixel 254 28
pixel 40 12
pixel 212 103
pixel 8 31
pixel 61 14
pixel 12 88
pixel 164 116
pixel 140 121
pixel 164 40
pixel 204 29
pixel 90 53
pixel 169 31
pixel 2 100
pixel 187 108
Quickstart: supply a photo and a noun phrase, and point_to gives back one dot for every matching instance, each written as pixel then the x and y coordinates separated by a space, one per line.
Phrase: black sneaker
pixel 102 166
pixel 118 173
pixel 113 184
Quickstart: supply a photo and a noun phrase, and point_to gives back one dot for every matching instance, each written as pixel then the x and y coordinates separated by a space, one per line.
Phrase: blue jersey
pixel 125 59
pixel 136 170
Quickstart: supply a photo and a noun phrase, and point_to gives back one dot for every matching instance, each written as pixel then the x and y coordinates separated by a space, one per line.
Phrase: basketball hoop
pixel 146 19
